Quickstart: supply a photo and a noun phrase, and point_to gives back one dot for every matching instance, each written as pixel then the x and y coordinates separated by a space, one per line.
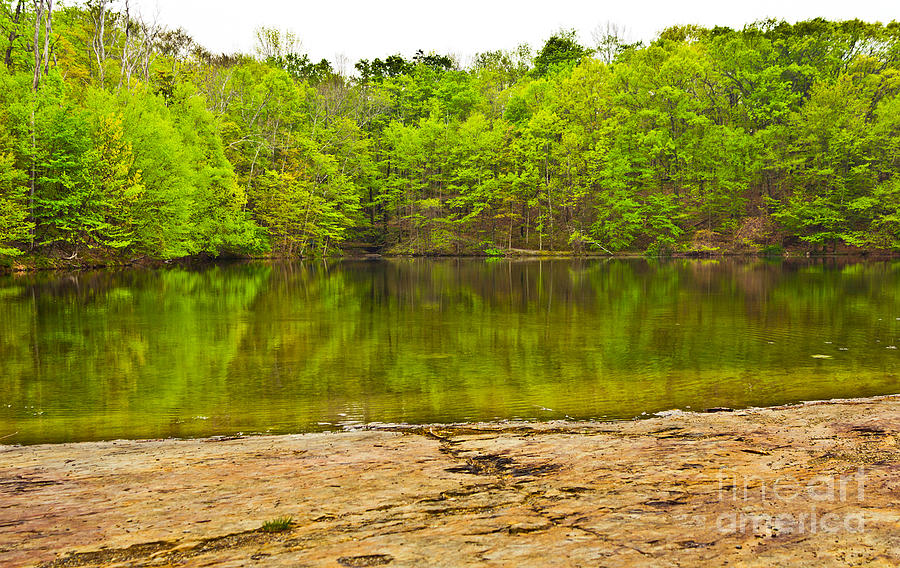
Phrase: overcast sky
pixel 369 29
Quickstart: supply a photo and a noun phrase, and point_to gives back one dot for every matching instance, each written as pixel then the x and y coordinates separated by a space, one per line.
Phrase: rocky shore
pixel 812 484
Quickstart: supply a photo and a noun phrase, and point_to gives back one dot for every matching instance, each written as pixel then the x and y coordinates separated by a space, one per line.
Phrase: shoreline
pixel 16 266
pixel 738 487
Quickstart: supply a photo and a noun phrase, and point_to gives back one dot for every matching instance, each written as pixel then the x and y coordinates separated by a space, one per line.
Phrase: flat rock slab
pixel 815 484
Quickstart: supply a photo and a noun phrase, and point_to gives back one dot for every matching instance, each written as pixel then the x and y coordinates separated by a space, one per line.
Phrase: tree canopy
pixel 120 137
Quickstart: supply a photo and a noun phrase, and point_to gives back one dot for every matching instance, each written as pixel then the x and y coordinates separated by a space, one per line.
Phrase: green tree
pixel 560 51
pixel 14 224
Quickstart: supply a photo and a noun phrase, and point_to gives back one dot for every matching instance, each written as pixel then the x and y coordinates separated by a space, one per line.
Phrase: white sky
pixel 369 29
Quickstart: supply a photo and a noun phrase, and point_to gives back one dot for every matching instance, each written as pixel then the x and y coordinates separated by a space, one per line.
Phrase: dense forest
pixel 120 138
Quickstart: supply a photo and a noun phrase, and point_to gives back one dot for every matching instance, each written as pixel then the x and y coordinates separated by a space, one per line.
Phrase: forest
pixel 123 139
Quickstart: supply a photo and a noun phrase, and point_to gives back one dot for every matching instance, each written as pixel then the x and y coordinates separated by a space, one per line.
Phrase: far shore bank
pixel 25 264
pixel 807 484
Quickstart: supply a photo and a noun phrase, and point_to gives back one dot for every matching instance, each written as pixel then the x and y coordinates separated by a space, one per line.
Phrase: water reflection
pixel 296 347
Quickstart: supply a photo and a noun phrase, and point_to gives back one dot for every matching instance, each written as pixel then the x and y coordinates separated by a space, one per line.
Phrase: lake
pixel 297 347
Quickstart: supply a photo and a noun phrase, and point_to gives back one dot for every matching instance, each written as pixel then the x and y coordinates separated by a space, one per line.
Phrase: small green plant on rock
pixel 278 524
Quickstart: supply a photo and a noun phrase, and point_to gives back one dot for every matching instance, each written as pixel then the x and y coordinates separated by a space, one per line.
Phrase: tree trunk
pixel 549 203
pixel 12 34
pixel 33 176
pixel 98 44
pixel 36 47
pixel 125 73
pixel 48 30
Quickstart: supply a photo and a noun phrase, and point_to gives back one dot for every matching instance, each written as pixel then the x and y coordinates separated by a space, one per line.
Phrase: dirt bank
pixel 817 484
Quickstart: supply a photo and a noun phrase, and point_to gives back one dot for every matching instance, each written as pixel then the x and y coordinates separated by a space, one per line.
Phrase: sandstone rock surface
pixel 815 484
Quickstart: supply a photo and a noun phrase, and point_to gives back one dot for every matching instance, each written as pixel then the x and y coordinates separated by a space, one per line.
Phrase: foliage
pixel 561 49
pixel 137 141
pixel 14 224
pixel 278 524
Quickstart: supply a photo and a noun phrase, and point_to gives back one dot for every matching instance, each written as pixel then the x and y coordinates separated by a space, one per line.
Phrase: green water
pixel 311 346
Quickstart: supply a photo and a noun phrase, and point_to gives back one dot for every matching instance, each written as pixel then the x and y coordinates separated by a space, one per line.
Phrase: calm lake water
pixel 311 346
